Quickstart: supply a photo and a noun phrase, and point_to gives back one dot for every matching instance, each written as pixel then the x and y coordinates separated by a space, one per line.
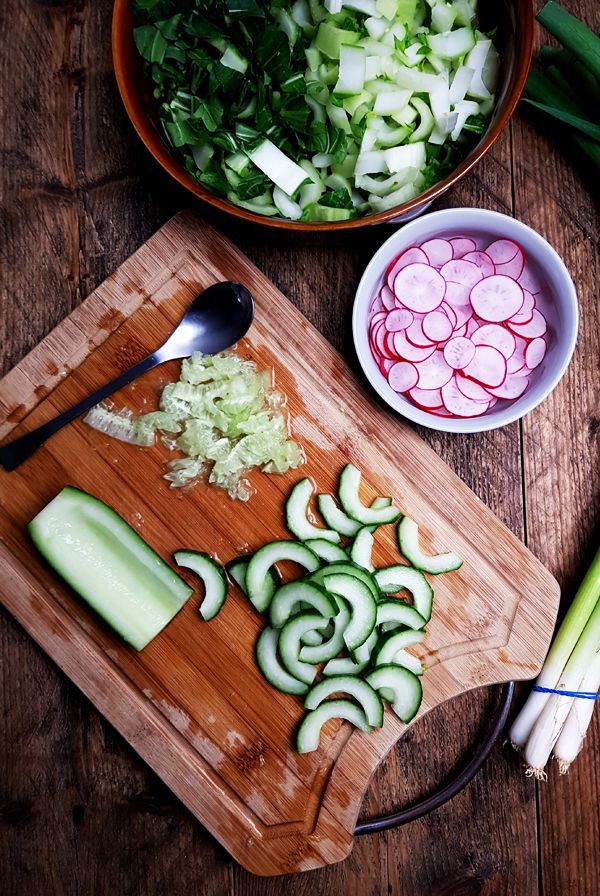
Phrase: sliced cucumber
pixel 392 579
pixel 327 650
pixel 362 549
pixel 102 558
pixel 408 661
pixel 309 732
pixel 408 540
pixel 288 600
pixel 330 553
pixel 391 649
pixel 398 613
pixel 363 607
pixel 296 515
pixel 236 570
pixel 401 685
pixel 289 644
pixel 258 581
pixel 337 519
pixel 213 578
pixel 271 668
pixel 349 498
pixel 362 692
pixel 354 665
pixel 350 569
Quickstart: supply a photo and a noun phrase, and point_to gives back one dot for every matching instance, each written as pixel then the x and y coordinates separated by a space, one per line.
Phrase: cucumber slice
pixel 408 540
pixel 398 613
pixel 296 515
pixel 390 649
pixel 325 550
pixel 337 519
pixel 349 498
pixel 329 649
pixel 392 579
pixel 309 732
pixel 350 569
pixel 288 601
pixel 408 661
pixel 405 690
pixel 363 693
pixel 236 570
pixel 354 665
pixel 271 668
pixel 362 549
pixel 107 563
pixel 258 582
pixel 289 644
pixel 213 578
pixel 362 606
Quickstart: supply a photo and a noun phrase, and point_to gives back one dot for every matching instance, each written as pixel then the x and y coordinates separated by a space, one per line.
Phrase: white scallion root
pixel 538 773
pixel 563 766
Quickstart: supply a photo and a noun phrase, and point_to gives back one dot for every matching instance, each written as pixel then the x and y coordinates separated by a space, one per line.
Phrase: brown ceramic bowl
pixel 514 20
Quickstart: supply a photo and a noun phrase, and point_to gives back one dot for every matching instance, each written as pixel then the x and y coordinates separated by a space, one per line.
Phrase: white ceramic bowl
pixel 558 303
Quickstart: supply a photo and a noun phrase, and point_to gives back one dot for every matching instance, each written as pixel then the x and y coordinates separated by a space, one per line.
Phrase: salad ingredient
pixel 357 688
pixel 270 666
pixel 107 563
pixel 296 515
pixel 258 580
pixel 213 579
pixel 349 499
pixel 400 687
pixel 408 538
pixel 309 732
pixel 392 579
pixel 363 609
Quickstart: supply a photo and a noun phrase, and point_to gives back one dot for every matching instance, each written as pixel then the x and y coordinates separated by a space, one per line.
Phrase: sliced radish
pixel 461 245
pixel 496 336
pixel 376 304
pixel 530 281
pixel 378 317
pixel 460 331
pixel 535 352
pixel 461 271
pixel 457 294
pixel 379 340
pixel 472 326
pixel 385 364
pixel 420 287
pixel 458 404
pixel 503 251
pixel 398 319
pixel 437 251
pixel 536 326
pixel 512 268
pixel 416 335
pixel 512 388
pixel 427 398
pixel 449 311
pixel 483 261
pixel 403 376
pixel 439 412
pixel 409 352
pixel 388 299
pixel 471 389
pixel 434 372
pixel 437 326
pixel 517 359
pixel 488 366
pixel 464 313
pixel 496 298
pixel 409 256
pixel 525 313
pixel 459 352
pixel 388 341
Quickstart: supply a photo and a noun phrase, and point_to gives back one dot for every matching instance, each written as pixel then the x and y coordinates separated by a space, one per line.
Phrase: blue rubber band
pixel 582 695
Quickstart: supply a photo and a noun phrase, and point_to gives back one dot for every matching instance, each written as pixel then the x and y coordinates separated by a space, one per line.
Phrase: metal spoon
pixel 216 319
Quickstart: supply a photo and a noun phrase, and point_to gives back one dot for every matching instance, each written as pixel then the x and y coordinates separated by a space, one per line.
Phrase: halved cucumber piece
pixel 213 578
pixel 271 668
pixel 408 540
pixel 236 570
pixel 309 732
pixel 353 665
pixel 330 648
pixel 296 515
pixel 289 644
pixel 351 569
pixel 408 661
pixel 330 553
pixel 398 613
pixel 391 649
pixel 337 519
pixel 99 555
pixel 362 692
pixel 401 686
pixel 362 549
pixel 258 582
pixel 392 579
pixel 349 498
pixel 288 600
pixel 363 607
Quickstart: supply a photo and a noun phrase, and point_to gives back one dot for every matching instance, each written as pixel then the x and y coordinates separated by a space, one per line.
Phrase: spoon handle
pixel 14 453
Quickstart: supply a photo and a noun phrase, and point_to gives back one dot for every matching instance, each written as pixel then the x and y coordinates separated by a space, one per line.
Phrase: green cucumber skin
pixel 212 604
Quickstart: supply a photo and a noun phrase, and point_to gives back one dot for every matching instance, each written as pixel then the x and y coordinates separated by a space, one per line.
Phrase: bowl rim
pixel 470 218
pixel 121 26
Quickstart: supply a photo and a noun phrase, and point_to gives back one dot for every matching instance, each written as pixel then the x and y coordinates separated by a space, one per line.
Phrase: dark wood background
pixel 79 812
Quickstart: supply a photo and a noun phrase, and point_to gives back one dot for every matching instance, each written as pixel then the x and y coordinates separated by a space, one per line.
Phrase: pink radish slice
pixel 471 389
pixel 427 398
pixel 379 340
pixel 459 352
pixel 385 365
pixel 491 404
pixel 434 372
pixel 436 326
pixel 437 251
pixel 378 317
pixel 416 335
pixel 483 261
pixel 458 404
pixel 403 376
pixel 460 331
pixel 530 281
pixel 461 271
pixel 503 251
pixel 488 366
pixel 496 298
pixel 420 287
pixel 457 294
pixel 512 268
pixel 388 341
pixel 376 304
pixel 398 319
pixel 464 313
pixel 525 313
pixel 536 326
pixel 439 412
pixel 512 388
pixel 472 326
pixel 388 299
pixel 449 312
pixel 496 336
pixel 409 352
pixel 409 256
pixel 461 245
pixel 535 352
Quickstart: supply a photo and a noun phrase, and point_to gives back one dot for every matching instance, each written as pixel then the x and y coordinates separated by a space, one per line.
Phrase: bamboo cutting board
pixel 192 704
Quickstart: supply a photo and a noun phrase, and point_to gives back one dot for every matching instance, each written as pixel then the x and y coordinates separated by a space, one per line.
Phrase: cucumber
pixel 350 569
pixel 296 515
pixel 327 650
pixel 236 570
pixel 362 692
pixel 362 549
pixel 271 668
pixel 337 519
pixel 288 601
pixel 363 607
pixel 258 582
pixel 289 644
pixel 390 649
pixel 354 665
pixel 408 540
pixel 325 550
pixel 107 563
pixel 309 732
pixel 401 686
pixel 398 613
pixel 213 579
pixel 349 498
pixel 392 579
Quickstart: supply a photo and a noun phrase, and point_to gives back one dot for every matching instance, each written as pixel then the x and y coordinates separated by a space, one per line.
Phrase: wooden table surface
pixel 79 812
